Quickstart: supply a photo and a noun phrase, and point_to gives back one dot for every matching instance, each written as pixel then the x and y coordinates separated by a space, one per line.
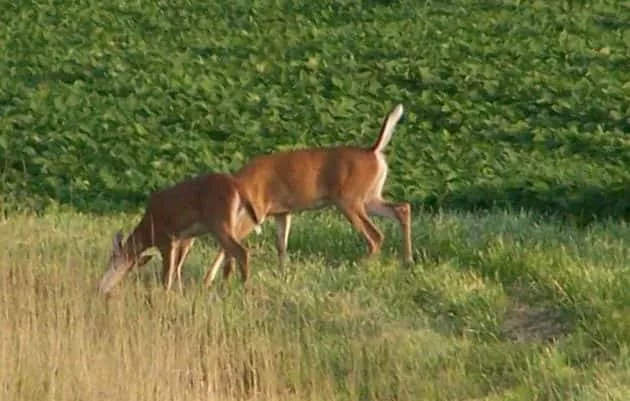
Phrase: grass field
pixel 516 118
pixel 502 307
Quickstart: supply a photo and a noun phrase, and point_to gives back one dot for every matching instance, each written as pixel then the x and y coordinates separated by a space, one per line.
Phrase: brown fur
pixel 350 178
pixel 175 215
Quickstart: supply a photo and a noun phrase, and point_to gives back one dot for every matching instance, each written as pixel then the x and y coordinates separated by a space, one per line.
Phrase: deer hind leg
pixel 244 227
pixel 182 252
pixel 222 258
pixel 356 214
pixel 400 212
pixel 234 249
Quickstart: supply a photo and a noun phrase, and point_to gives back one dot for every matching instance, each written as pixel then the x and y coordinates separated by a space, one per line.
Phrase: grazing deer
pixel 210 203
pixel 348 177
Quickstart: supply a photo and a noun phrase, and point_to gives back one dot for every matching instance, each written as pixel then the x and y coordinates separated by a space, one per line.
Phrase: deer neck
pixel 136 243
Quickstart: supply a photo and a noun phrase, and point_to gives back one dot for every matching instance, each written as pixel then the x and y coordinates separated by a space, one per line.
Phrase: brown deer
pixel 211 203
pixel 348 177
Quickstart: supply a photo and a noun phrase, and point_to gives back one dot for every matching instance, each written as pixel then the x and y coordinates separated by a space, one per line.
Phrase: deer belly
pixel 193 230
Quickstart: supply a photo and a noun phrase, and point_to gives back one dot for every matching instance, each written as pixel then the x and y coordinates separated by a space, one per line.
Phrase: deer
pixel 211 203
pixel 350 178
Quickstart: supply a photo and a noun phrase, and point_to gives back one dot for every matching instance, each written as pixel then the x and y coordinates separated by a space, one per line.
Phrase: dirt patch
pixel 527 323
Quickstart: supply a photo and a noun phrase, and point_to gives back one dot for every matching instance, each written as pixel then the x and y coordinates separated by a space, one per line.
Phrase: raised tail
pixel 387 129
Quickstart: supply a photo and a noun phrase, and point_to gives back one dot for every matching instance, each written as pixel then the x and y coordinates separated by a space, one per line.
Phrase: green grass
pixel 509 105
pixel 100 103
pixel 501 307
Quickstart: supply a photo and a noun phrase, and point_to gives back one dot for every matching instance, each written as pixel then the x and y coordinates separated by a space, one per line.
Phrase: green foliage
pixel 523 104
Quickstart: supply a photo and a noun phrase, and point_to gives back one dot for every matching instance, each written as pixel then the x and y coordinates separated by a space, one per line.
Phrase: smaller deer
pixel 211 203
pixel 350 178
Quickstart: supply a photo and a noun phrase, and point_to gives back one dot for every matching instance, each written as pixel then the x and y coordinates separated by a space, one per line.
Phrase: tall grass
pixel 499 307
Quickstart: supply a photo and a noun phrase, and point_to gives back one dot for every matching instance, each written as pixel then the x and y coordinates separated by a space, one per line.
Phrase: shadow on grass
pixel 573 201
pixel 520 319
pixel 569 202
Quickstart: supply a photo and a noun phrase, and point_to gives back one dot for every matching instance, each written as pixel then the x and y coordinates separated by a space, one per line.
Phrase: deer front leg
pixel 169 254
pixel 283 226
pixel 183 250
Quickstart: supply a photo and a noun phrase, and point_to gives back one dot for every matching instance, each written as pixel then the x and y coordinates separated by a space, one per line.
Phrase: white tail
pixel 351 178
pixel 387 129
pixel 174 216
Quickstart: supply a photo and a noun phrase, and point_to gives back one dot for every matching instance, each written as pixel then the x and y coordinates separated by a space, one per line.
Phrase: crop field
pixel 513 151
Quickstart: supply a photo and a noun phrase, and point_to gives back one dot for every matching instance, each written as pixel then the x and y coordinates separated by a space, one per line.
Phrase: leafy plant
pixel 510 104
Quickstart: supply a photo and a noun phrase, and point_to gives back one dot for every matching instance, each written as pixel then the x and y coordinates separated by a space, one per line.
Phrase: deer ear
pixel 117 242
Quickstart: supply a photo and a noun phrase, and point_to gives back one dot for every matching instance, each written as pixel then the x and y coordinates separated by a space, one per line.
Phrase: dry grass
pixel 343 332
pixel 60 341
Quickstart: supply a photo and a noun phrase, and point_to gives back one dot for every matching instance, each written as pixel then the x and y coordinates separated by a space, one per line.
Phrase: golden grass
pixel 61 341
pixel 342 332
